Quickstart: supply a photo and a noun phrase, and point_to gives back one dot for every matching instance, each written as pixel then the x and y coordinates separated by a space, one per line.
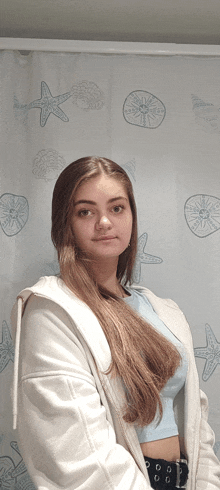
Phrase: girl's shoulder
pixel 152 297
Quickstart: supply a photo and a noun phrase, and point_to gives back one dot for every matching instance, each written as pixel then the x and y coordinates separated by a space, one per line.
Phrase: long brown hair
pixel 141 356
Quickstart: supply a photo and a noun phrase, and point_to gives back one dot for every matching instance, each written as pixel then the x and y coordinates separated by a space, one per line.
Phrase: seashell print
pixel 130 168
pixel 14 211
pixel 202 213
pixel 207 116
pixel 144 109
pixel 48 164
pixel 199 104
pixel 87 96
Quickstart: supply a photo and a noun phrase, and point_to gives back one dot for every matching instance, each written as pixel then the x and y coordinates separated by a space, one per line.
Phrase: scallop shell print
pixel 87 96
pixel 144 109
pixel 14 211
pixel 207 115
pixel 202 213
pixel 48 164
pixel 130 168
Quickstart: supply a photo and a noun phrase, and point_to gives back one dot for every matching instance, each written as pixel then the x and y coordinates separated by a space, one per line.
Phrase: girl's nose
pixel 103 222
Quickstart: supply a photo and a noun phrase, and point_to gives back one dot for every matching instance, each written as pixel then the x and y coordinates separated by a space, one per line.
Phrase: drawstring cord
pixel 16 361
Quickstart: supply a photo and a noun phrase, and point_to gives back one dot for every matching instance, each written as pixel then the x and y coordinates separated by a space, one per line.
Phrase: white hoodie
pixel 69 414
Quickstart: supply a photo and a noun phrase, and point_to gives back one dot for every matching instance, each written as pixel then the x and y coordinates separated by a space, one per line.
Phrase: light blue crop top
pixel 167 426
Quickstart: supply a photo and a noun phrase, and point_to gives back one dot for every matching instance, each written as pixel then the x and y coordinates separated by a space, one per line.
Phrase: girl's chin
pixel 107 254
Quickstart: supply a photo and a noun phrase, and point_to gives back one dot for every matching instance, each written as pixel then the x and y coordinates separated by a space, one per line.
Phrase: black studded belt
pixel 167 474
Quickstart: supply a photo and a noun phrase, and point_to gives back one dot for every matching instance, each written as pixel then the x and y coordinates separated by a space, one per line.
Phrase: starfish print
pixel 20 468
pixel 211 353
pixel 6 347
pixel 143 258
pixel 49 104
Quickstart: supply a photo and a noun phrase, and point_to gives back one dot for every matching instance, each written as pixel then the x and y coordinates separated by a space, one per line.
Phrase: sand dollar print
pixel 202 213
pixel 14 212
pixel 143 109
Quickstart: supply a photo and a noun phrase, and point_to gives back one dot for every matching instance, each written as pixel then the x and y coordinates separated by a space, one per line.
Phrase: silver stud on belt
pixel 179 471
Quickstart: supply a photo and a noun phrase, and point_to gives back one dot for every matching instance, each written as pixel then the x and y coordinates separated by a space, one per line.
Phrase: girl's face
pixel 102 219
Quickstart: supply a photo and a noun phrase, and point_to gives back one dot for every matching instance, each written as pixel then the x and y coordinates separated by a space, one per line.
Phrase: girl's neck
pixel 105 276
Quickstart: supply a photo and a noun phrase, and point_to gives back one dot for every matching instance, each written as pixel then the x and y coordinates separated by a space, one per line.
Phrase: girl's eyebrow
pixel 85 201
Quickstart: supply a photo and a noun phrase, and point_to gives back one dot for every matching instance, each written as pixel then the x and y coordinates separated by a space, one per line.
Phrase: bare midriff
pixel 168 448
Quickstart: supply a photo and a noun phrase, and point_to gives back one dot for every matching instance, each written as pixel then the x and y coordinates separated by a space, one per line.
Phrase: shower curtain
pixel 159 118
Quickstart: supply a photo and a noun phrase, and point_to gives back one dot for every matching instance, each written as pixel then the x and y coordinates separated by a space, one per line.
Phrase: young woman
pixel 106 392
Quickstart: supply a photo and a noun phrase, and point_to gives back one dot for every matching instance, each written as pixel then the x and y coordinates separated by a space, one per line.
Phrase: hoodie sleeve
pixel 64 436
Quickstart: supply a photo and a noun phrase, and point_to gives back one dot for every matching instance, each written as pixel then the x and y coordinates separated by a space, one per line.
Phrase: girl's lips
pixel 105 238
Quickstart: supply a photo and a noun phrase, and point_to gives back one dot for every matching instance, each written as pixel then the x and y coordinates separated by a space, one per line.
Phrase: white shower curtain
pixel 159 118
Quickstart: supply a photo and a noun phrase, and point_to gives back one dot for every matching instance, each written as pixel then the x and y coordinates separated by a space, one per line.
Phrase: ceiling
pixel 154 21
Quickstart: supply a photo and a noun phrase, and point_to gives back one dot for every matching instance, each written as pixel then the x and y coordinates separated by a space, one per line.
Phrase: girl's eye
pixel 84 212
pixel 118 209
